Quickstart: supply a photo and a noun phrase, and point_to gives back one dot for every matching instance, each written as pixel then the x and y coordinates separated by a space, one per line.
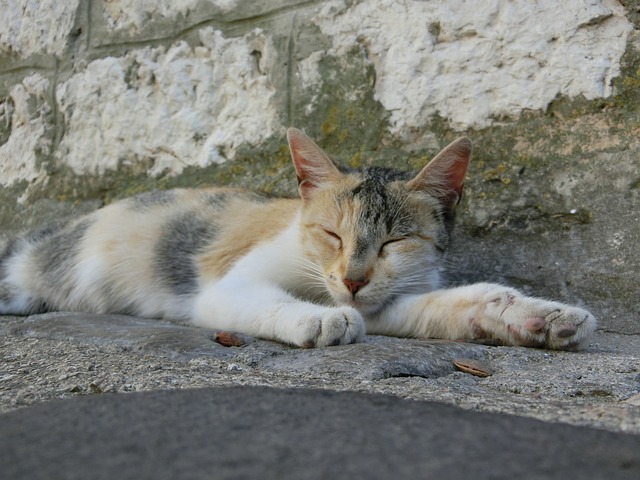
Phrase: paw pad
pixel 567 331
pixel 535 325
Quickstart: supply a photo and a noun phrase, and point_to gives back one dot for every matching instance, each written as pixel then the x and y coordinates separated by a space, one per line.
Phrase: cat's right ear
pixel 313 167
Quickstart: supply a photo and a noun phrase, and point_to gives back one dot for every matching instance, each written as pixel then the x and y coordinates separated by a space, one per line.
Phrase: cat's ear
pixel 443 177
pixel 313 167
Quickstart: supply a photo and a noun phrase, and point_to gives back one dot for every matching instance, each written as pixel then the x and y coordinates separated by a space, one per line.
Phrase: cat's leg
pixel 485 311
pixel 268 312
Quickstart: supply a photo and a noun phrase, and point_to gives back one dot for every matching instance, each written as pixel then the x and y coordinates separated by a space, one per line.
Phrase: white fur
pixel 485 311
pixel 253 297
pixel 89 273
pixel 17 276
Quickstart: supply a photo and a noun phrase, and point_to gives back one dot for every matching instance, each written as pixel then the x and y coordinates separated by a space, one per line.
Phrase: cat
pixel 359 252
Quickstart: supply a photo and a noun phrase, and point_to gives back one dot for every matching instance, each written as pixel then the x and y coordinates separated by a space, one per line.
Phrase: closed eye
pixel 335 237
pixel 395 240
pixel 401 239
pixel 436 245
pixel 389 242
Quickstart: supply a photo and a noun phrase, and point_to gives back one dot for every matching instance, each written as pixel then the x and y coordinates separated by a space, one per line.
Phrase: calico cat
pixel 359 252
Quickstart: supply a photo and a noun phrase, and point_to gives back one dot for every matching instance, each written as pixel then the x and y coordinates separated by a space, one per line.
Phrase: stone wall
pixel 103 99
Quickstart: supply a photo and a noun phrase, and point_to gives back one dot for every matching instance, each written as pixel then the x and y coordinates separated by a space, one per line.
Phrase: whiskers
pixel 418 281
pixel 310 281
pixel 453 274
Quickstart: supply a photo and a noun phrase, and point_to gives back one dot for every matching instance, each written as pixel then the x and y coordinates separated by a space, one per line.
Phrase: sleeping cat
pixel 358 252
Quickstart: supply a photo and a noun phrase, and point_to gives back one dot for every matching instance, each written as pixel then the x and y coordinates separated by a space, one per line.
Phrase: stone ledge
pixel 61 355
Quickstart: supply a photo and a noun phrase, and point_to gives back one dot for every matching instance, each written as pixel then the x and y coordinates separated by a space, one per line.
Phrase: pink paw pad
pixel 535 325
pixel 523 341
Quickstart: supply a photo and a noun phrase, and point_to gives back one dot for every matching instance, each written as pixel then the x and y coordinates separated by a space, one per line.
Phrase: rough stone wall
pixel 103 99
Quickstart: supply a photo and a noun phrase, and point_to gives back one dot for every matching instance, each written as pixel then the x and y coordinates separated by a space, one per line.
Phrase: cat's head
pixel 376 233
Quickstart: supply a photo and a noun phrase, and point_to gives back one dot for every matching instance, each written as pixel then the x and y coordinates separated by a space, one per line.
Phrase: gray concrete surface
pixel 251 433
pixel 63 355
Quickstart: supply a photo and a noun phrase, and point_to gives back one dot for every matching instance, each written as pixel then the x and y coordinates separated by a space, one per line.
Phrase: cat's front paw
pixel 333 326
pixel 519 320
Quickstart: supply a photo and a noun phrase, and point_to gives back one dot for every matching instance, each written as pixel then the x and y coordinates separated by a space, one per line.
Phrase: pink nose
pixel 354 285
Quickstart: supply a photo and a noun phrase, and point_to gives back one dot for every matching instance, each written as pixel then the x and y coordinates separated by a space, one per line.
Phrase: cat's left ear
pixel 313 167
pixel 443 177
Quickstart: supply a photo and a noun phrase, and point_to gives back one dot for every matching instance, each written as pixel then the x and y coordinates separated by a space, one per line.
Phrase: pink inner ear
pixel 313 166
pixel 456 160
pixel 299 161
pixel 444 176
pixel 306 188
pixel 455 176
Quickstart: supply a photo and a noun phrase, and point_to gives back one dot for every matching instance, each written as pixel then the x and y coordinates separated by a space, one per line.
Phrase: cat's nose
pixel 354 285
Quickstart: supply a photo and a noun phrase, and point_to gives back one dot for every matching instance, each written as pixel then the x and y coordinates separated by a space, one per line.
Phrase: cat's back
pixel 145 254
pixel 160 224
pixel 172 239
pixel 185 216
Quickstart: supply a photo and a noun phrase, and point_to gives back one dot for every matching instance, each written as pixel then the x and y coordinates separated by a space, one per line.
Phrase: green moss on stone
pixel 341 113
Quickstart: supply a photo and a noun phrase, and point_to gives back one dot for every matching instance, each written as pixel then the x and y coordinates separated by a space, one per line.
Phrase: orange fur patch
pixel 248 224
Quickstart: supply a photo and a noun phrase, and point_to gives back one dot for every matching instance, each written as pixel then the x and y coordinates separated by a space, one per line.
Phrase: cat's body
pixel 359 252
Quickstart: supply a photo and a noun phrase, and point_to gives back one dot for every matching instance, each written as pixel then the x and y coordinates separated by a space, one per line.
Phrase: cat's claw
pixel 515 319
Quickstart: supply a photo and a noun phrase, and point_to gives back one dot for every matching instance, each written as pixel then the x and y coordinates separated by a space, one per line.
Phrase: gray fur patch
pixel 383 212
pixel 55 246
pixel 5 294
pixel 182 239
pixel 44 231
pixel 56 254
pixel 446 221
pixel 217 200
pixel 9 249
pixel 54 249
pixel 220 199
pixel 155 198
pixel 379 206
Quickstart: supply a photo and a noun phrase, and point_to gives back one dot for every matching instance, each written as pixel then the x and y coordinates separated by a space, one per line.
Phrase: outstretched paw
pixel 334 326
pixel 561 329
pixel 519 320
